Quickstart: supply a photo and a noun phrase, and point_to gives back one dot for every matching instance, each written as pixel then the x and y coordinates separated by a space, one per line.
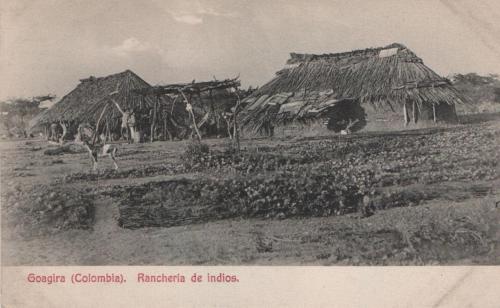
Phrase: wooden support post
pixel 414 113
pixel 236 131
pixel 217 124
pixel 228 126
pixel 108 134
pixel 153 121
pixel 236 134
pixel 96 132
pixel 190 110
pixel 405 114
pixel 167 131
pixel 212 109
pixel 434 111
pixel 65 131
pixel 164 129
pixel 454 110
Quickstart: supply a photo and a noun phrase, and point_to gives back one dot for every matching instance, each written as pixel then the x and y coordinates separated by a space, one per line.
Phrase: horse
pixel 95 145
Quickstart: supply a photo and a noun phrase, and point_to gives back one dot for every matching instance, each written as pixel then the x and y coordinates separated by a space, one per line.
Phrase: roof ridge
pixel 305 57
pixel 120 74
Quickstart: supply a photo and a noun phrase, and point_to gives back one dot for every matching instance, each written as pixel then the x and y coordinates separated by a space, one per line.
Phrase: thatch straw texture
pixel 389 76
pixel 88 99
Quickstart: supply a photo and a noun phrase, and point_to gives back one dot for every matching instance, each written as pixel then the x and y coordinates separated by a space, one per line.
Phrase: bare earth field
pixel 416 197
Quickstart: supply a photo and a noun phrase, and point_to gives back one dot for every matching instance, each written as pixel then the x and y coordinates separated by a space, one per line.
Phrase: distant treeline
pixel 479 88
pixel 16 114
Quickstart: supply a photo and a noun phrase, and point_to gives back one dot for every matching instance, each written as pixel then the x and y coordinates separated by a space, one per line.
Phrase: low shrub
pixel 195 154
pixel 46 209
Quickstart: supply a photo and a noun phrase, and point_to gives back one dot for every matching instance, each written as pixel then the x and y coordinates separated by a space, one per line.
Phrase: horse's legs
pixel 94 160
pixel 93 157
pixel 91 160
pixel 112 155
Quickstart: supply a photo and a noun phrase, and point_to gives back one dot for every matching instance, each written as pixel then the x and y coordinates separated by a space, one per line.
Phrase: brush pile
pixel 43 209
pixel 171 203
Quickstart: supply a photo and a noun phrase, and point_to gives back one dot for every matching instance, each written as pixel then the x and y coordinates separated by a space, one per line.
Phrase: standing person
pixel 271 128
pixel 268 126
pixel 54 135
pixel 84 133
pixel 131 126
pixel 125 122
pixel 125 130
pixel 65 131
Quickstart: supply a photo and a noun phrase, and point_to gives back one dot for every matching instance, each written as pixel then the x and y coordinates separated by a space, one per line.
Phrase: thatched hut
pixel 86 102
pixel 391 85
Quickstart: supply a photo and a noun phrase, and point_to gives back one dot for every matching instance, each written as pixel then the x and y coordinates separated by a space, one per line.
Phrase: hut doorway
pixel 445 112
pixel 346 114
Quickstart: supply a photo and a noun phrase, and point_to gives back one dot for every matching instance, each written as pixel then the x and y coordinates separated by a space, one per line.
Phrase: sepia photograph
pixel 242 133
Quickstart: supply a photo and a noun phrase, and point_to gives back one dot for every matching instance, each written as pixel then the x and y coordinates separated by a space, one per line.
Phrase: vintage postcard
pixel 217 153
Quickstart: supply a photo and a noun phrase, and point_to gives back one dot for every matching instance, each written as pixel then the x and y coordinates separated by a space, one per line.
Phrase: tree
pixel 478 88
pixel 16 113
pixel 475 79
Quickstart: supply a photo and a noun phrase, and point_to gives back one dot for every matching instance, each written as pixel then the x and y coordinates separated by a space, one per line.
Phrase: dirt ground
pixel 393 236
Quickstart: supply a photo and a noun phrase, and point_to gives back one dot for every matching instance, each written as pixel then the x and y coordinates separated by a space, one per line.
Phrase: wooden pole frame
pixel 185 92
pixel 190 110
pixel 165 126
pixel 96 132
pixel 216 116
pixel 108 132
pixel 405 110
pixel 235 120
pixel 153 121
pixel 65 131
pixel 434 111
pixel 414 115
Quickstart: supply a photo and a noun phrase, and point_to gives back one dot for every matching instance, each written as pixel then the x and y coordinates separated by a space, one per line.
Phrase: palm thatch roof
pixel 388 76
pixel 88 99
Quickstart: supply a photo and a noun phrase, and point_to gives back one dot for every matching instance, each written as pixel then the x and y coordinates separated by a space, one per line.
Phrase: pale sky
pixel 46 46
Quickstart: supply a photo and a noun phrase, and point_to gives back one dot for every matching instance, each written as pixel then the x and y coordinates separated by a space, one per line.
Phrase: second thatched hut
pixel 388 86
